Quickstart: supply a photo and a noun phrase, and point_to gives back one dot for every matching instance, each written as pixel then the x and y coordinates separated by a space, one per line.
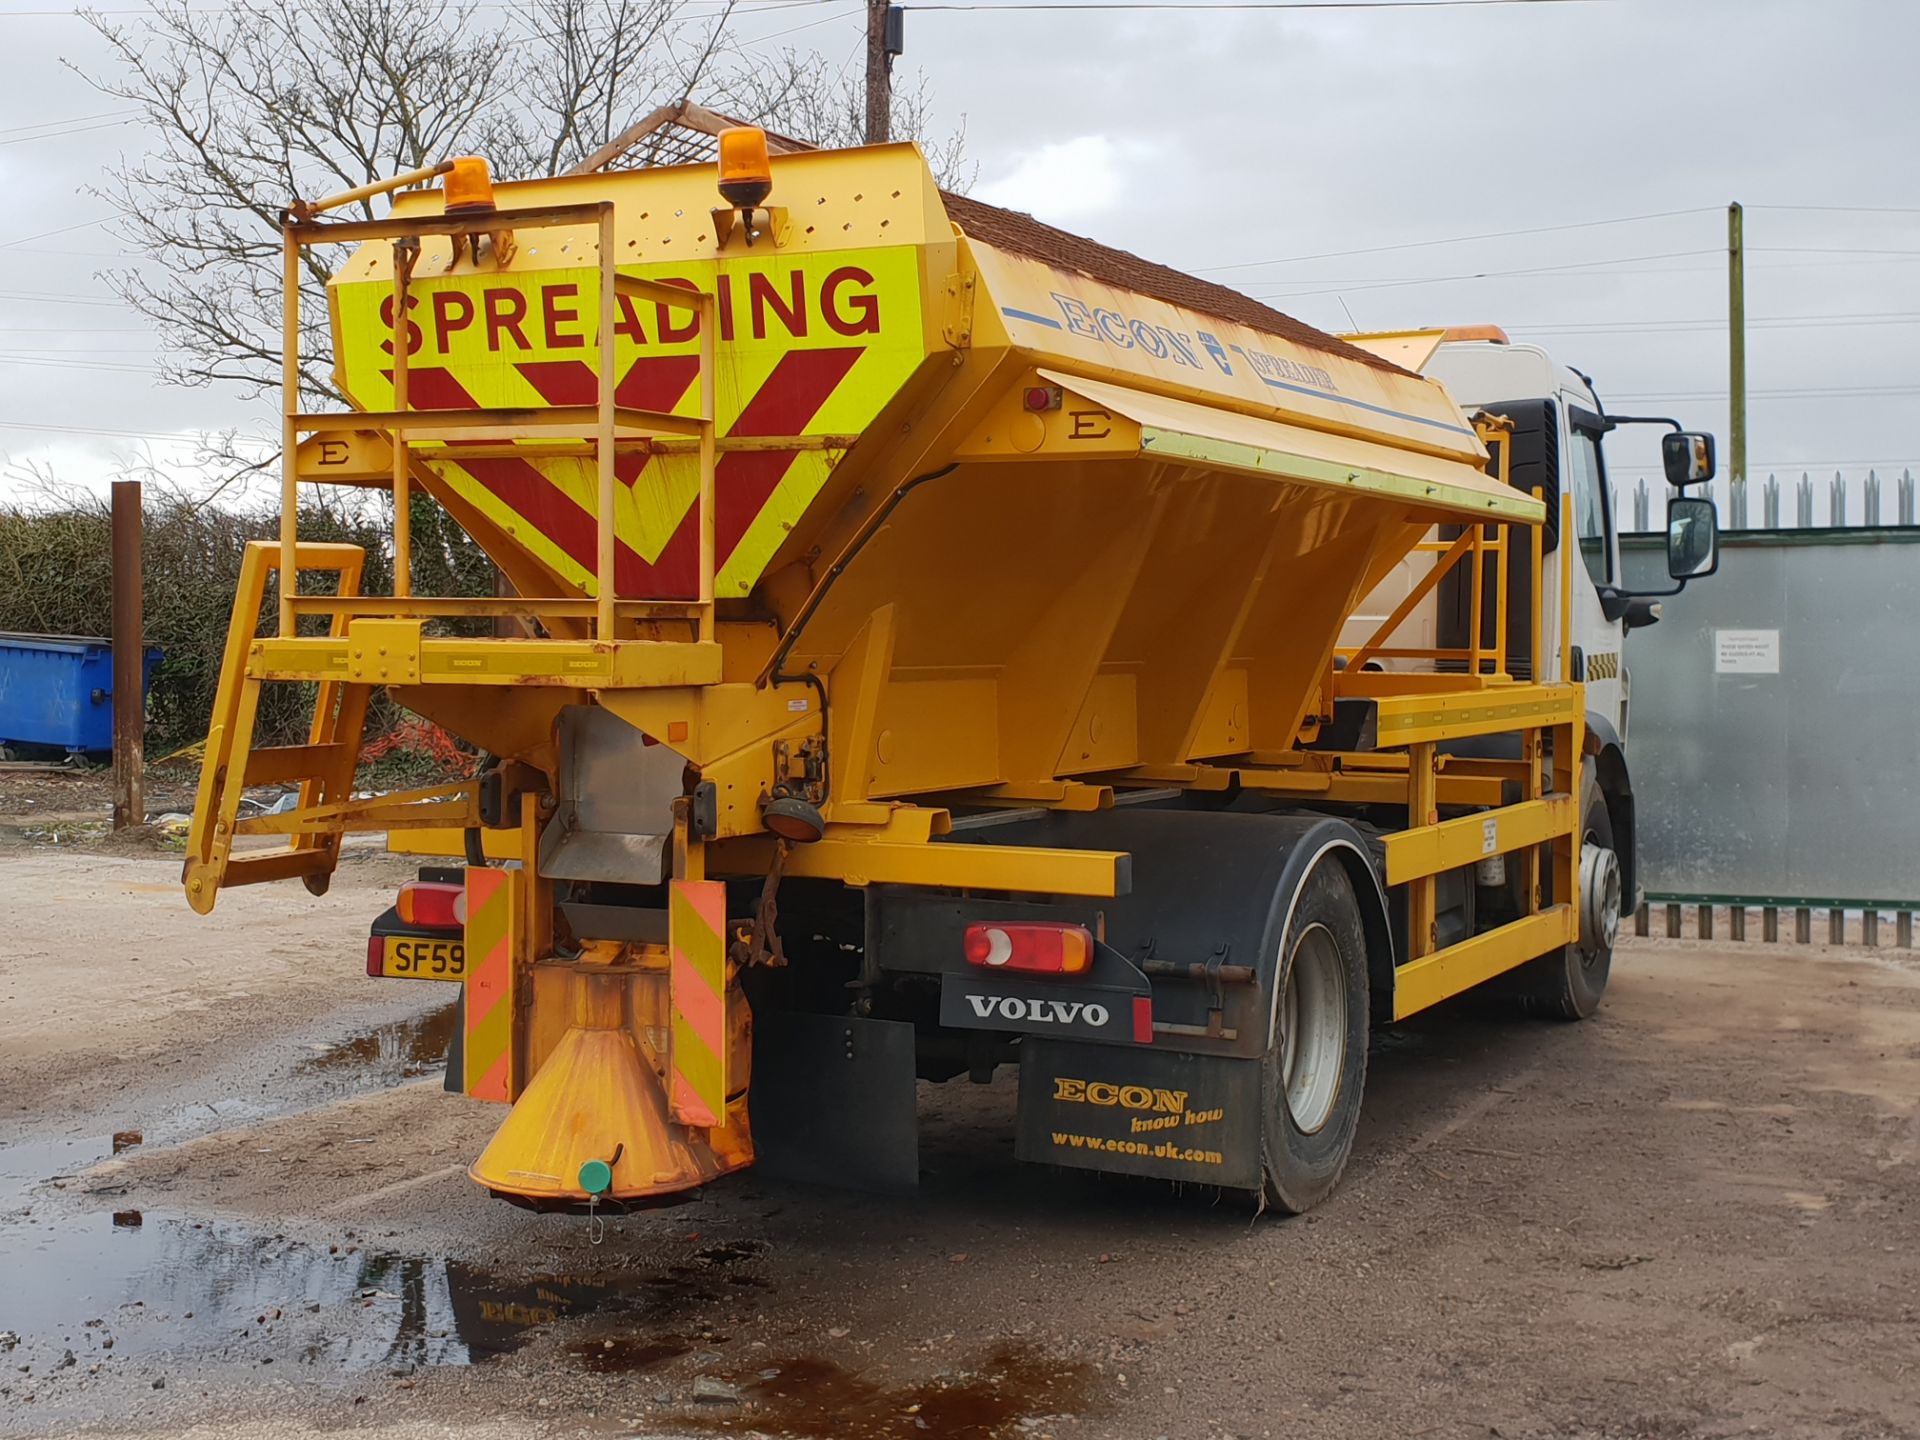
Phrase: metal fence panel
pixel 1774 735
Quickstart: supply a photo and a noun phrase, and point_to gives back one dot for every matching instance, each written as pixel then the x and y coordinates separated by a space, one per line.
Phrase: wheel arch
pixel 1608 756
pixel 1332 842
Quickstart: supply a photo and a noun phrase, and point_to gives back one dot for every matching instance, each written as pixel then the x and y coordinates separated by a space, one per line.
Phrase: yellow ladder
pixel 323 767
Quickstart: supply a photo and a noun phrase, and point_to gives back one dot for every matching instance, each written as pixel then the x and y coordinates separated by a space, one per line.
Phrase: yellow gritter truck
pixel 921 651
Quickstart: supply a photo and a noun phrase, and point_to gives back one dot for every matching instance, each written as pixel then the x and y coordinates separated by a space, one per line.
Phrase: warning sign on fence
pixel 1746 652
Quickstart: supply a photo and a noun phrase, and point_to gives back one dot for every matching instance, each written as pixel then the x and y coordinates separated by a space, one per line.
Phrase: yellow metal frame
pixel 1414 711
pixel 1480 696
pixel 1543 827
pixel 598 428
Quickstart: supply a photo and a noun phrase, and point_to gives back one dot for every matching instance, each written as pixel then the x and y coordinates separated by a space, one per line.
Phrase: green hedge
pixel 56 579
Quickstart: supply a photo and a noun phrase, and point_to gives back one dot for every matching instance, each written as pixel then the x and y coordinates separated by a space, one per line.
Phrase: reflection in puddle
pixel 106 1288
pixel 149 1285
pixel 400 1050
pixel 320 1072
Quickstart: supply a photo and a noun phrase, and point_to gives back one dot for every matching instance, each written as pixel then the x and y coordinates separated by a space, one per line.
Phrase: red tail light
pixel 376 955
pixel 433 904
pixel 1035 949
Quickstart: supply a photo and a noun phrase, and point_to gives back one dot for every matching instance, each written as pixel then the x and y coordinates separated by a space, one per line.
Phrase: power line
pixel 1805 392
pixel 1564 228
pixel 176 437
pixel 1716 324
pixel 1846 209
pixel 1335 287
pixel 1256 4
pixel 45 361
pixel 71 14
pixel 1483 274
pixel 1758 465
pixel 48 298
pixel 1460 239
pixel 70 130
pixel 1821 250
pixel 795 30
pixel 61 230
pixel 74 120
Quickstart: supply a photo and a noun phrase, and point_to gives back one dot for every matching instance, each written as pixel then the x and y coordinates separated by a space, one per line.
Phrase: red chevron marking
pixel 784 405
pixel 521 487
pixel 652 382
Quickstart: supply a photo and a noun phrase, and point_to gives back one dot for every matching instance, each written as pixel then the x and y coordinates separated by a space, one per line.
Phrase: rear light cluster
pixel 433 904
pixel 1033 949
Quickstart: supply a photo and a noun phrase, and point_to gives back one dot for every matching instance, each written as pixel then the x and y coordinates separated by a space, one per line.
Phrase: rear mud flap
pixel 833 1101
pixel 455 1080
pixel 1140 1111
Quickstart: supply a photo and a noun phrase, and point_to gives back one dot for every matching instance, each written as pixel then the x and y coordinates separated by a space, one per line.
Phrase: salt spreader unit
pixel 920 650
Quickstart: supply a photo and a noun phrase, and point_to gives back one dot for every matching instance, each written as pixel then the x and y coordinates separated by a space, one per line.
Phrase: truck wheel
pixel 1316 1062
pixel 1568 984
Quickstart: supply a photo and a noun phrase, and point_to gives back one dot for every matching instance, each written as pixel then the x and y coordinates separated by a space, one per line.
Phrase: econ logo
pixel 809 347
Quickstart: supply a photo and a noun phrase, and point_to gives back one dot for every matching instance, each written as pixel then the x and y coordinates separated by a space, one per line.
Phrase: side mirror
pixel 1687 458
pixel 1693 537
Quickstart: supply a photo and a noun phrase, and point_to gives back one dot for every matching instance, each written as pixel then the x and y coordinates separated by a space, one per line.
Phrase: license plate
pixel 411 958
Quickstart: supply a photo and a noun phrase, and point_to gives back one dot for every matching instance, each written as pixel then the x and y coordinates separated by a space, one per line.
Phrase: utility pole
pixel 129 660
pixel 886 38
pixel 1737 341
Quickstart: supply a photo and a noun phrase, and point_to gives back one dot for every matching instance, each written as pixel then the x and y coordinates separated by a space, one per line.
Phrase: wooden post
pixel 1737 340
pixel 879 127
pixel 129 659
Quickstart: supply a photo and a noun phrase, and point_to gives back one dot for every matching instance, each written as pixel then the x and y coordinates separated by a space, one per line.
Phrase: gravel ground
pixel 1693 1216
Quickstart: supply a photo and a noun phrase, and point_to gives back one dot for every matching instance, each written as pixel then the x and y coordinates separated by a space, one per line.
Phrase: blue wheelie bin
pixel 57 691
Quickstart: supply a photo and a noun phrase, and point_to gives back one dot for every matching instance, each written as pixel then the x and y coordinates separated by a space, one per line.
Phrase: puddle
pixel 110 1285
pixel 264 1085
pixel 401 1050
pixel 811 1398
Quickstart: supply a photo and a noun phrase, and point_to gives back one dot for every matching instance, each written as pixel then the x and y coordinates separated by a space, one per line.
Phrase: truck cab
pixel 1559 430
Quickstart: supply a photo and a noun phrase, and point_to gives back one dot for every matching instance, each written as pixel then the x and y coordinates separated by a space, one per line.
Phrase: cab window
pixel 1586 480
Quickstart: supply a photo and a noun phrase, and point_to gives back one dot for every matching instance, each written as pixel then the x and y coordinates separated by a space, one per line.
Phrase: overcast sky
pixel 1328 162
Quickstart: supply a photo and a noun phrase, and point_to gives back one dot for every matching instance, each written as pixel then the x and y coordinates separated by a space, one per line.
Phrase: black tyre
pixel 1569 983
pixel 1316 1063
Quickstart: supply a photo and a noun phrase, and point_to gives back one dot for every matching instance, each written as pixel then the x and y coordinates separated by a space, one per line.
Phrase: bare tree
pixel 258 101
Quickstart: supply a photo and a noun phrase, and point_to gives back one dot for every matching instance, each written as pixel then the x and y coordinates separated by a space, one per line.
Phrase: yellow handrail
pixel 601 438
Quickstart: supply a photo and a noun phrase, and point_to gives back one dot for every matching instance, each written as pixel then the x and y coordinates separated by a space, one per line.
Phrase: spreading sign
pixel 812 344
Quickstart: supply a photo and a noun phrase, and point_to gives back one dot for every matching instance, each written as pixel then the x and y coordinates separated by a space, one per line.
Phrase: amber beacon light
pixel 469 186
pixel 746 176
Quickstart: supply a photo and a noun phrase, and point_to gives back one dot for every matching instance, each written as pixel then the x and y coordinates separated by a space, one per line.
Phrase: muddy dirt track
pixel 1695 1216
